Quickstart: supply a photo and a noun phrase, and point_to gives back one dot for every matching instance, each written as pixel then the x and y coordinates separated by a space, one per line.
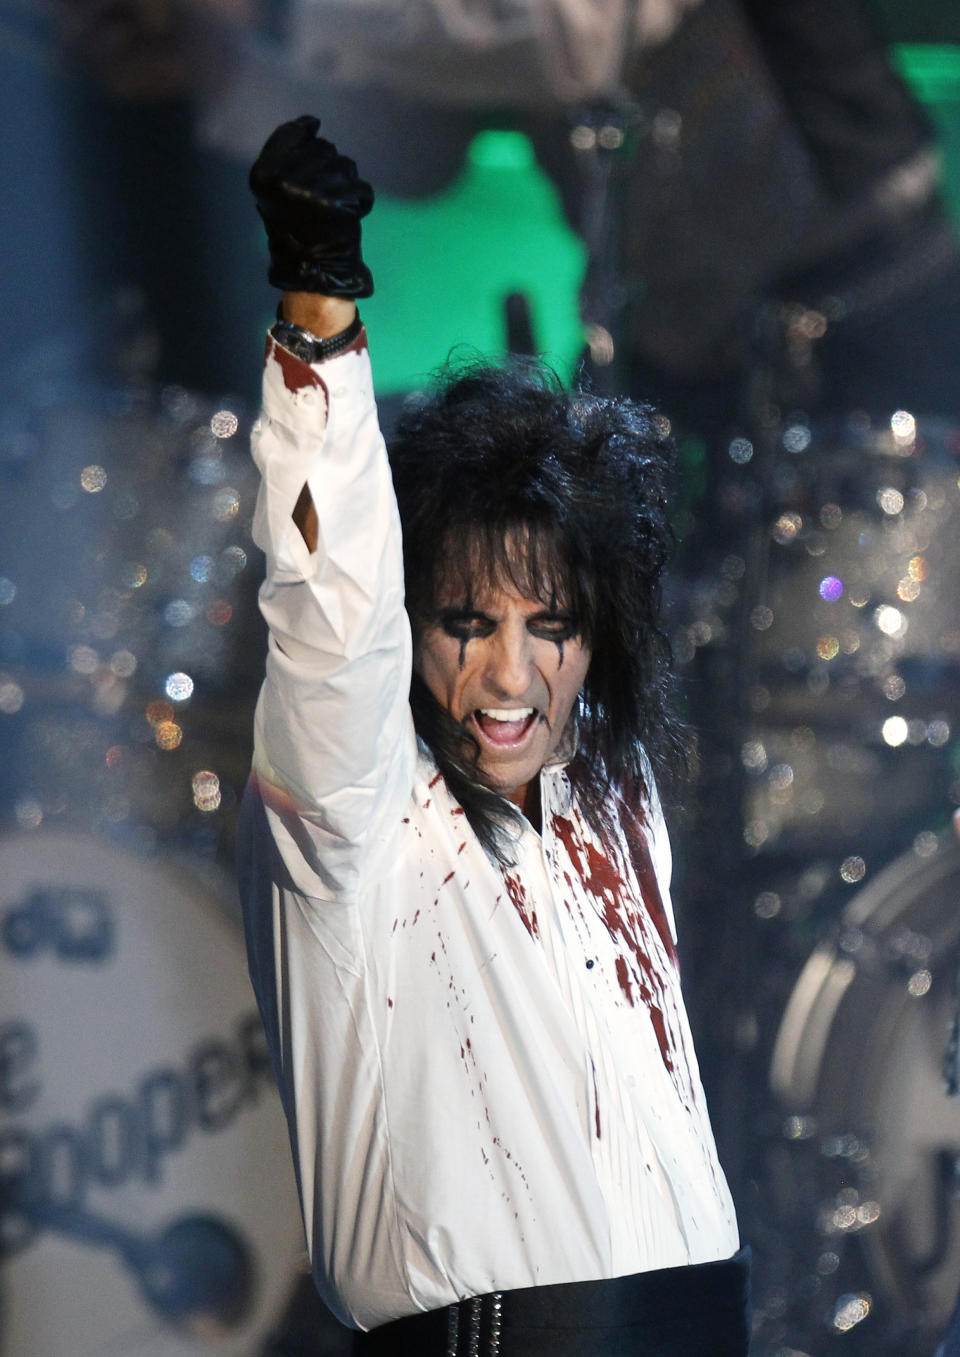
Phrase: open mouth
pixel 506 726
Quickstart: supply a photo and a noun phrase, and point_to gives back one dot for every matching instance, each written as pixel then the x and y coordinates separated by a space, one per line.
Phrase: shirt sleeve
pixel 334 748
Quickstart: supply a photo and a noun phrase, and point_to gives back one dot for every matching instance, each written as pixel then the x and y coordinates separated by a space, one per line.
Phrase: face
pixel 509 669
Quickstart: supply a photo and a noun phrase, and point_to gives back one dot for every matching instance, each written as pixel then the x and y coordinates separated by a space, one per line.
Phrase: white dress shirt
pixel 488 1073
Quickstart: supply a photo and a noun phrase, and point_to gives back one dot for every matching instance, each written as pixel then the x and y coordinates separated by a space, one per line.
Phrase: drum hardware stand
pixel 951 1058
pixel 603 138
pixel 199 1265
pixel 785 373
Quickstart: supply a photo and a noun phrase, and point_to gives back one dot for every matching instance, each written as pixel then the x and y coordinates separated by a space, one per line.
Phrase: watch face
pixel 294 339
pixel 147 1199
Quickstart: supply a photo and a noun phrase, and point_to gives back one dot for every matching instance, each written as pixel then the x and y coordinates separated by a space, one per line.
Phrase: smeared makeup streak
pixel 560 645
pixel 463 650
pixel 518 895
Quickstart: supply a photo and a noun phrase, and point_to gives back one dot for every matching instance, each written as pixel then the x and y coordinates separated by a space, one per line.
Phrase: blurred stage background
pixel 748 216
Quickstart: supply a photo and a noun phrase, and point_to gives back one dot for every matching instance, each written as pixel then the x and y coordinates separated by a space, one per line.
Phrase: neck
pixel 527 798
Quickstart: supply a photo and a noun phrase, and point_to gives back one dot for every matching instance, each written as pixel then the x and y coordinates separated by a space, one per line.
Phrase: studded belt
pixel 696 1311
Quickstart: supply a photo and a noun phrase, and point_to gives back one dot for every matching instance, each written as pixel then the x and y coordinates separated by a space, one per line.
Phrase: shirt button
pixel 590 964
pixel 339 390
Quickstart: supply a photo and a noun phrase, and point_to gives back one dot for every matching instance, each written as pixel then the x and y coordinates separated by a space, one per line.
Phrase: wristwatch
pixel 305 345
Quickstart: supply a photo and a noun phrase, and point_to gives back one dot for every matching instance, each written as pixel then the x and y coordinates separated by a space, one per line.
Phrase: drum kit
pixel 815 632
pixel 834 608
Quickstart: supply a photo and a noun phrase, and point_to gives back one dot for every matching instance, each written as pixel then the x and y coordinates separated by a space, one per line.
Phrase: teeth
pixel 507 713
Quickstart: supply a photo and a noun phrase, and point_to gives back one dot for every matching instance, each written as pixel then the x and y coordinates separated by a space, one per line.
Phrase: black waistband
pixel 696 1311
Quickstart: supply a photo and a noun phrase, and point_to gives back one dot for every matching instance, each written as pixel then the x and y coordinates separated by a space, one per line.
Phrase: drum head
pixel 148 1201
pixel 859 1065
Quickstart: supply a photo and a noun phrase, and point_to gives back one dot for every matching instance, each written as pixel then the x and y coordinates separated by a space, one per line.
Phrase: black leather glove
pixel 311 202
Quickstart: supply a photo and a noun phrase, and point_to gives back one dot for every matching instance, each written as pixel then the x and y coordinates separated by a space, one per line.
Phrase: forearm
pixel 324 317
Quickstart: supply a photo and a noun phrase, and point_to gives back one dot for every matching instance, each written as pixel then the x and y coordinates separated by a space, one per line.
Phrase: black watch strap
pixel 306 346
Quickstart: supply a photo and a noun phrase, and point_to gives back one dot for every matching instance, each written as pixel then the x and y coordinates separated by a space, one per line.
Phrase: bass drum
pixel 147 1201
pixel 859 1066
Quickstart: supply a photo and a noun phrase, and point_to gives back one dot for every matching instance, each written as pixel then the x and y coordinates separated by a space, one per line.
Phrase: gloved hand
pixel 311 202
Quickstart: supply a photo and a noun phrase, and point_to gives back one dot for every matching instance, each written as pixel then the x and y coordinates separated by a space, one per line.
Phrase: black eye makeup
pixel 553 626
pixel 463 624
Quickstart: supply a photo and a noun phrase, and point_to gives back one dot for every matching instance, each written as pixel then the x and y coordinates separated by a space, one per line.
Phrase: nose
pixel 509 667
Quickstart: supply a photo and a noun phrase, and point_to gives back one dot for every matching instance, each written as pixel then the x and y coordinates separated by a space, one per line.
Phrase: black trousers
pixel 698 1311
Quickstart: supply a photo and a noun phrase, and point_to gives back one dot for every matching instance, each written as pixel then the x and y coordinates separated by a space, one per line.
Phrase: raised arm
pixel 334 747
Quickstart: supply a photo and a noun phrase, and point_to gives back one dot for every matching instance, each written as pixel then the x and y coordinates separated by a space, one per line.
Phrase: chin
pixel 508 784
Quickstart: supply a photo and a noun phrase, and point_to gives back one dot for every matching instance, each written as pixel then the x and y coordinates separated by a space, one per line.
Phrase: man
pixel 454 864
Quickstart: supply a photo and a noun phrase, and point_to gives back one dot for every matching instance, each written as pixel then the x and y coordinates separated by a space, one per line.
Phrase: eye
pixel 554 626
pixel 465 626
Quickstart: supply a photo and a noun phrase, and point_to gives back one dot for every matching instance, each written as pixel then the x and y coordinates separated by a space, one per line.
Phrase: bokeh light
pixel 178 687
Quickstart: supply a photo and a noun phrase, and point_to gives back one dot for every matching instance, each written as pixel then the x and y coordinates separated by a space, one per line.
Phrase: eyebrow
pixel 453 612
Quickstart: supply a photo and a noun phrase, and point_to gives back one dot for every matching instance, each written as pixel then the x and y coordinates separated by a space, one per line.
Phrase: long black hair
pixel 503 475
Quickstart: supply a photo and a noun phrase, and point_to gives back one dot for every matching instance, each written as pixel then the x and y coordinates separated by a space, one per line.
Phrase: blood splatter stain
pixel 518 895
pixel 297 375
